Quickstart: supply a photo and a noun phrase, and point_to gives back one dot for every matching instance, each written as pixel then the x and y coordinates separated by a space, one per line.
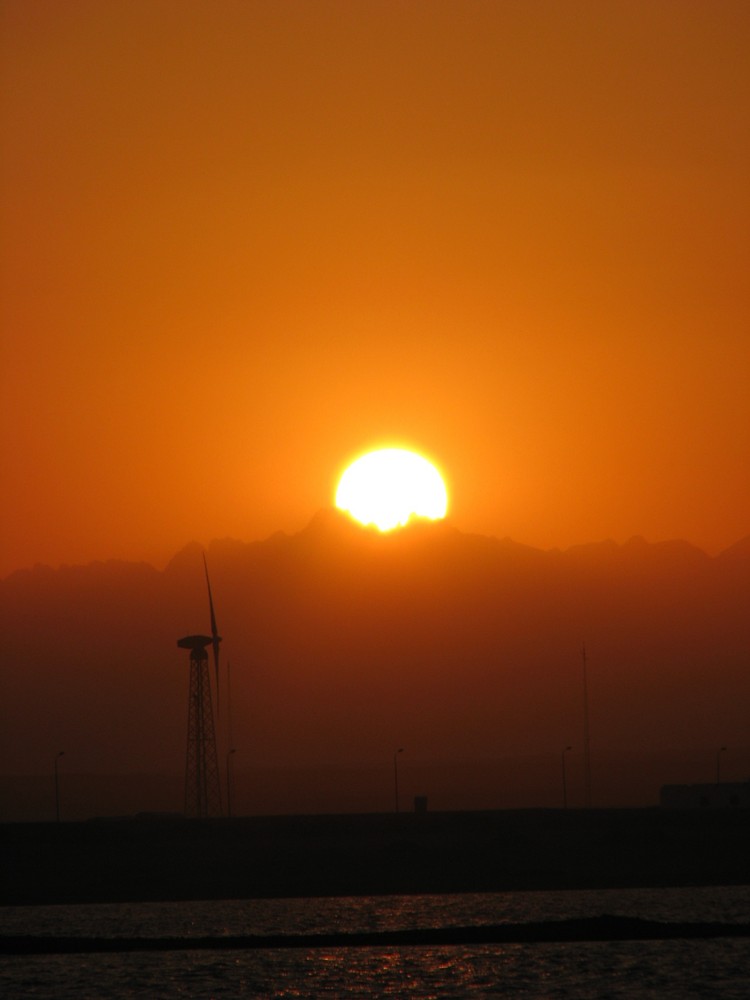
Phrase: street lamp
pixel 719 752
pixel 60 754
pixel 229 780
pixel 395 772
pixel 564 777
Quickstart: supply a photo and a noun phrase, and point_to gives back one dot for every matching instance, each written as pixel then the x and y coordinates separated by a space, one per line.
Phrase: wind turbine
pixel 202 787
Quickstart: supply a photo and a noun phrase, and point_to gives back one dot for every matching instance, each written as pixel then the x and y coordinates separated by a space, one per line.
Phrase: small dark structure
pixel 727 795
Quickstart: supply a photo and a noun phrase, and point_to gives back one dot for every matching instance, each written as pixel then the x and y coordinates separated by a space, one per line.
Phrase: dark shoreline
pixel 152 858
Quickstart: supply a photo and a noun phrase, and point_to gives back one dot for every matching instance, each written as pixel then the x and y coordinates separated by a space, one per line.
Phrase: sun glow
pixel 388 487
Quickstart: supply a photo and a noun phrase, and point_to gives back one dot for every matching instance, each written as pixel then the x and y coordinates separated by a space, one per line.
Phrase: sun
pixel 389 486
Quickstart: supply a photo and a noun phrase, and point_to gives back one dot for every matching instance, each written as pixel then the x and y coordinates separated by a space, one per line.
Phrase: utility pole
pixel 719 752
pixel 231 751
pixel 395 772
pixel 564 778
pixel 60 753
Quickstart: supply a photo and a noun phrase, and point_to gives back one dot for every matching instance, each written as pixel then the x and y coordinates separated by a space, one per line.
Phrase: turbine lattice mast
pixel 202 788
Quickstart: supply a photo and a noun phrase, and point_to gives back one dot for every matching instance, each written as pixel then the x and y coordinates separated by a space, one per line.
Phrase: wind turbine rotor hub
pixel 195 643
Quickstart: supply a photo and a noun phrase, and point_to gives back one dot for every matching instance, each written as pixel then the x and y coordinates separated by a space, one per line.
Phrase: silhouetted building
pixel 726 795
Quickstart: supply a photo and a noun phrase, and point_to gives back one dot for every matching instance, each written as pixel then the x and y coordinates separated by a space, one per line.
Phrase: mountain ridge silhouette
pixel 330 524
pixel 345 643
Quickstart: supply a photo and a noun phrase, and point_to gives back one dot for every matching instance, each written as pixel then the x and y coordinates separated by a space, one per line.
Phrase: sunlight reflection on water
pixel 620 970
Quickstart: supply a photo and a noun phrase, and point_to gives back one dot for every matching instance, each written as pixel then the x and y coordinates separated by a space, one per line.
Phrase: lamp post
pixel 719 752
pixel 60 753
pixel 564 778
pixel 395 772
pixel 229 779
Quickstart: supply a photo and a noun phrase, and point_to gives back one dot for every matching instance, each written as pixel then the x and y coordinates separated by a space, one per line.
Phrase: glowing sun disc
pixel 388 487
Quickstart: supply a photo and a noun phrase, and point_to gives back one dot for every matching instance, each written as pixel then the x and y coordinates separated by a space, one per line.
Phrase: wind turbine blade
pixel 214 632
pixel 215 638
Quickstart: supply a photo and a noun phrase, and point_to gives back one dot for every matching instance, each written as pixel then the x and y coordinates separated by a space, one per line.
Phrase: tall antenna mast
pixel 229 706
pixel 231 750
pixel 586 734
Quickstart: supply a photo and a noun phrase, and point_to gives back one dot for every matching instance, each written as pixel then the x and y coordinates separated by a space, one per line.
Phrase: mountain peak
pixel 329 522
pixel 740 550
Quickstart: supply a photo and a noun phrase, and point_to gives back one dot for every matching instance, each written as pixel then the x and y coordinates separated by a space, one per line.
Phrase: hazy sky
pixel 244 241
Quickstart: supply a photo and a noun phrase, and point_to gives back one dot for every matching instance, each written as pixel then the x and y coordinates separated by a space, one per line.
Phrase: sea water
pixel 717 967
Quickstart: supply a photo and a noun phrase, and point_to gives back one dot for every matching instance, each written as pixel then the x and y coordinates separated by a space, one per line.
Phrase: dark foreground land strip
pixel 171 858
pixel 604 928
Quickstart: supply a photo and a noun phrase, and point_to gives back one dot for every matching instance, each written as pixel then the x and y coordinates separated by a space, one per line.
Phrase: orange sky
pixel 243 241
